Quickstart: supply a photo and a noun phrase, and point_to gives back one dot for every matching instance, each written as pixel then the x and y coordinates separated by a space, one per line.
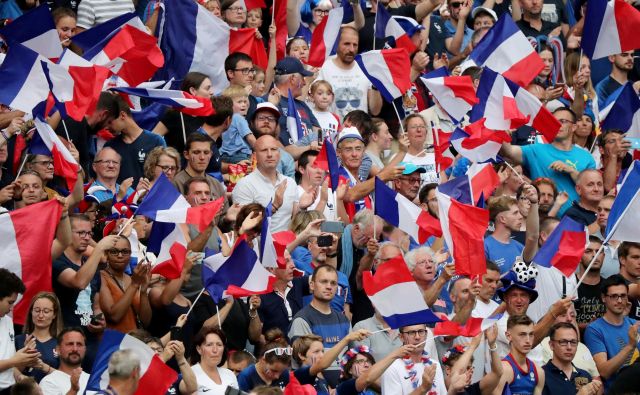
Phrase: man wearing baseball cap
pixel 408 184
pixel 264 121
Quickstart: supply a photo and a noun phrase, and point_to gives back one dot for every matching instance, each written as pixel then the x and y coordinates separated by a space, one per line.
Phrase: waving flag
pixel 610 27
pixel 463 226
pixel 180 100
pixel 238 275
pixel 36 31
pixel 471 328
pixel 404 214
pixel 163 196
pixel 564 247
pixel 625 213
pixel 24 84
pixel 326 35
pixel 268 256
pixel 327 160
pixel 624 113
pixel 480 180
pixel 245 41
pixel 456 95
pixel 444 153
pixel 63 163
pixel 478 143
pixel 294 124
pixel 388 28
pixel 131 54
pixel 506 50
pixel 505 105
pixel 21 246
pixel 391 283
pixel 169 243
pixel 89 38
pixel 192 39
pixel 155 376
pixel 387 71
pixel 252 4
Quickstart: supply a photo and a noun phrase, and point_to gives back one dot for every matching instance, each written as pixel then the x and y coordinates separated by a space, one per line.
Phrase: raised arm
pixel 332 354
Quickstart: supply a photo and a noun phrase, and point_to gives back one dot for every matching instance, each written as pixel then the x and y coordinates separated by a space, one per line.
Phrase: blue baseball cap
pixel 291 65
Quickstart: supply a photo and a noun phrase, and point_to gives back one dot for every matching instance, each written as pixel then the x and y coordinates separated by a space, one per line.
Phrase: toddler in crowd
pixel 237 140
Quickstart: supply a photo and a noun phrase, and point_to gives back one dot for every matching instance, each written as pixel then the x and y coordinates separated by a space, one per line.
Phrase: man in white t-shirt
pixel 311 180
pixel 69 378
pixel 351 87
pixel 9 358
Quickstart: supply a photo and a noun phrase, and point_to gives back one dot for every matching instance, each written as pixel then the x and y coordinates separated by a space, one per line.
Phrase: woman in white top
pixel 211 354
pixel 378 140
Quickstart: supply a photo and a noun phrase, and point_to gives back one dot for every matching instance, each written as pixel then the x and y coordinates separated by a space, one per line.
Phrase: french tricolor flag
pixel 506 50
pixel 624 113
pixel 478 143
pixel 404 214
pixel 564 247
pixel 391 283
pixel 169 242
pixel 131 54
pixel 164 203
pixel 463 227
pixel 63 163
pixel 238 275
pixel 481 180
pixel 89 38
pixel 506 105
pixel 388 28
pixel 387 70
pixel 36 31
pixel 325 36
pixel 442 149
pixel 624 217
pixel 471 328
pixel 456 94
pixel 21 246
pixel 294 124
pixel 327 160
pixel 155 376
pixel 180 100
pixel 610 27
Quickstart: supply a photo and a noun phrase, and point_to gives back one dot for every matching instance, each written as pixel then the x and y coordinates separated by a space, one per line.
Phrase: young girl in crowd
pixel 254 18
pixel 65 21
pixel 258 85
pixel 237 140
pixel 321 96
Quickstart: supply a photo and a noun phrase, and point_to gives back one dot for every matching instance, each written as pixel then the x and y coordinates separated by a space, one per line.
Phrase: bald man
pixel 267 184
pixel 590 189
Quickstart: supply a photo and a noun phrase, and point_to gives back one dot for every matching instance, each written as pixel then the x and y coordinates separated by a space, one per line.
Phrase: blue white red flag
pixel 402 213
pixel 21 246
pixel 391 283
pixel 610 27
pixel 36 31
pixel 506 50
pixel 624 113
pixel 180 100
pixel 471 328
pixel 478 143
pixel 155 376
pixel 64 165
pixel 325 36
pixel 89 38
pixel 327 160
pixel 387 71
pixel 564 247
pixel 294 124
pixel 625 213
pixel 169 243
pixel 388 28
pixel 456 94
pixel 238 275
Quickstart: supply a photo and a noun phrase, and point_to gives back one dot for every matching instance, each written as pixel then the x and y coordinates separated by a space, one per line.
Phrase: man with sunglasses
pixel 613 338
pixel 458 34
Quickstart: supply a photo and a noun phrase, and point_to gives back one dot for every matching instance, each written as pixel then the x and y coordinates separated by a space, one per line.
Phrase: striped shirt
pixel 94 12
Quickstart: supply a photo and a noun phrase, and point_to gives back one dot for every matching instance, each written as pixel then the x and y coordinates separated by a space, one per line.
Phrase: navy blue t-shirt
pixel 76 309
pixel 249 378
pixel 46 350
pixel 134 154
pixel 304 376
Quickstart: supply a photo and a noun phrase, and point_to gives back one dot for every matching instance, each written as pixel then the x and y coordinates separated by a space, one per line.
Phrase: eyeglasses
pixel 320 12
pixel 617 296
pixel 46 163
pixel 236 9
pixel 565 121
pixel 84 233
pixel 107 162
pixel 279 351
pixel 565 343
pixel 116 252
pixel 411 180
pixel 167 169
pixel 418 127
pixel 43 311
pixel 266 118
pixel 419 332
pixel 246 71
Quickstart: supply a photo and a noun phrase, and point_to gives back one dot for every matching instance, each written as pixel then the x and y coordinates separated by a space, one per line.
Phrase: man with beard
pixel 265 121
pixel 589 305
pixel 69 379
pixel 621 66
pixel 352 89
pixel 532 24
pixel 547 194
pixel 318 318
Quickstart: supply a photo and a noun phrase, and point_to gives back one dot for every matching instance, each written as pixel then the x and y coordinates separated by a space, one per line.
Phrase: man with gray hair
pixel 106 164
pixel 421 262
pixel 124 373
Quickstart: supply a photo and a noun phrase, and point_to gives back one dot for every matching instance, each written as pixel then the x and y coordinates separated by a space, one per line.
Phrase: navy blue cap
pixel 291 65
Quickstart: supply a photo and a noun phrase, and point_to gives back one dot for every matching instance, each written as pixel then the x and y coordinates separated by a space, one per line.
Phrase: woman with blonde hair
pixel 162 160
pixel 43 322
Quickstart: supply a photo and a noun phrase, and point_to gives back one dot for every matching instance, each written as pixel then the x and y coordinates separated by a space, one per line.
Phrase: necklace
pixel 409 365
